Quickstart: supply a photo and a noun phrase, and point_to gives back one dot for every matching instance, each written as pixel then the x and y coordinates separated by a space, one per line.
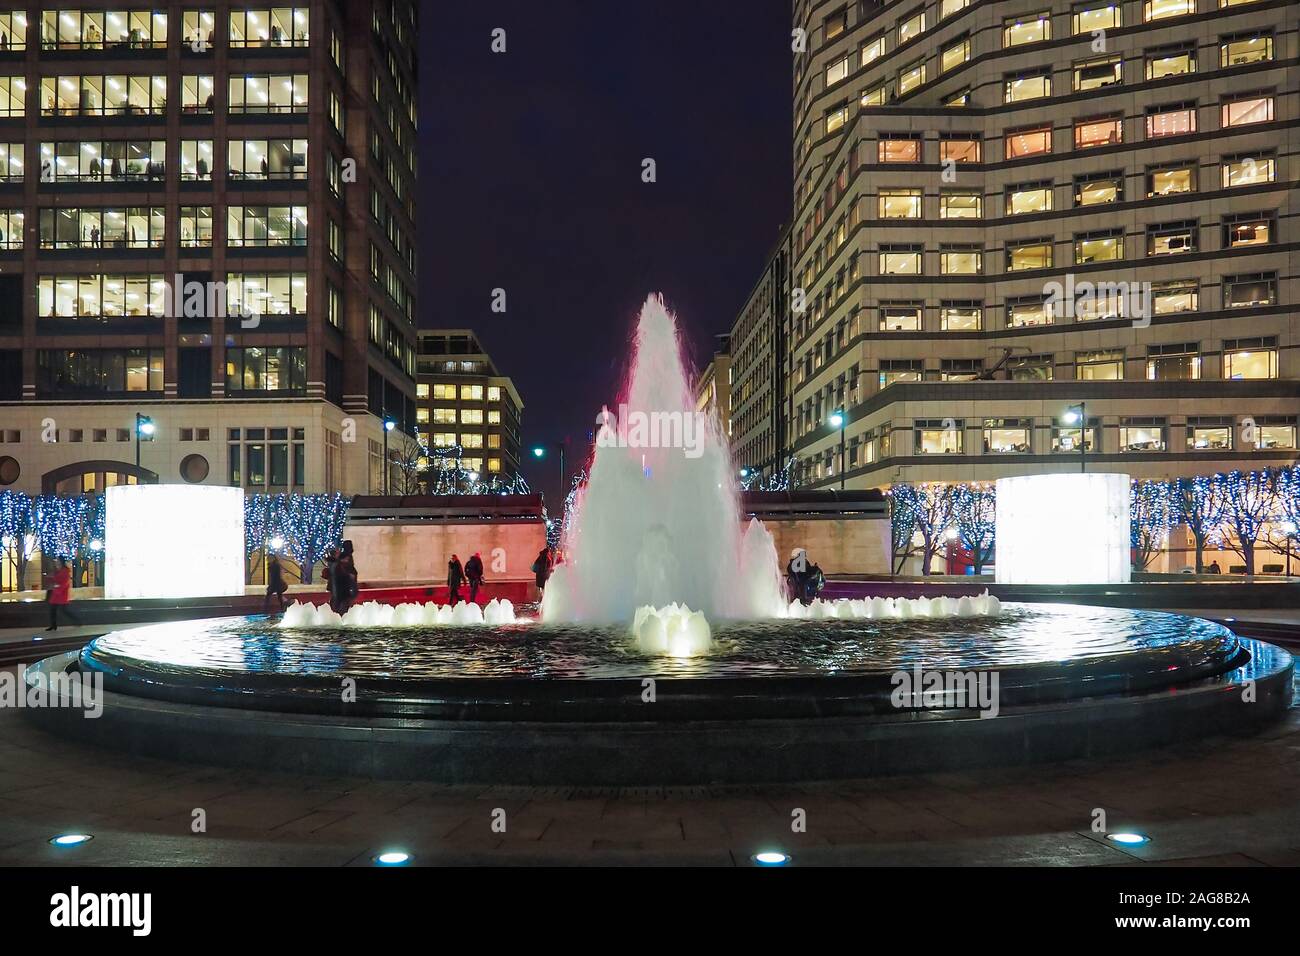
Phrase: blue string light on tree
pixel 975 517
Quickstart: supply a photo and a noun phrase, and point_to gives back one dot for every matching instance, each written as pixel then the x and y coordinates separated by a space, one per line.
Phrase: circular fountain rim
pixel 687 753
pixel 675 698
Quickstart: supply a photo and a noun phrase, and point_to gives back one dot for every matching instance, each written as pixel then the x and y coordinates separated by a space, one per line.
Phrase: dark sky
pixel 530 180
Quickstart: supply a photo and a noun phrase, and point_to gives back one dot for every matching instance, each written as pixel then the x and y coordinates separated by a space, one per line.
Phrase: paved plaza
pixel 1230 801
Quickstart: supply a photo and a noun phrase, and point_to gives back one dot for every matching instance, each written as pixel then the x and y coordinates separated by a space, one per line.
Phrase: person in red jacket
pixel 59 591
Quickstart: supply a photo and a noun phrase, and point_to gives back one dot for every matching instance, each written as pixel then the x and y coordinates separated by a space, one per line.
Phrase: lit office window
pixel 278 27
pixel 1033 86
pixel 1243 112
pixel 1029 198
pixel 960 204
pixel 1103 131
pixel 1244 50
pixel 899 204
pixel 1176 120
pixel 1248 171
pixel 1162 9
pixel 1030 255
pixel 1106 364
pixel 1031 28
pixel 1091 17
pixel 1095 74
pixel 1099 190
pixel 1028 142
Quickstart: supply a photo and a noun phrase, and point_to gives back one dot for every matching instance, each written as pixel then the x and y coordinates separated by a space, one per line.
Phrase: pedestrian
pixel 796 575
pixel 816 581
pixel 455 575
pixel 274 584
pixel 327 571
pixel 58 592
pixel 474 574
pixel 340 575
pixel 345 573
pixel 1214 567
pixel 542 567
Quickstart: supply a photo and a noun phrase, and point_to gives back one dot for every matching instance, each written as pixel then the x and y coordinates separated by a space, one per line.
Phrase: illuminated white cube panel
pixel 1063 529
pixel 173 541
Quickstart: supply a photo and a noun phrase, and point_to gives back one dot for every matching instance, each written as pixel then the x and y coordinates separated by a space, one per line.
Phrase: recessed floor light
pixel 771 858
pixel 1128 839
pixel 393 858
pixel 71 839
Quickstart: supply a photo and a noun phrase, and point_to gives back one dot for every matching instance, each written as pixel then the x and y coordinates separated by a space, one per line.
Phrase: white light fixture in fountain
pixel 173 541
pixel 71 839
pixel 1128 838
pixel 393 858
pixel 771 858
pixel 1063 529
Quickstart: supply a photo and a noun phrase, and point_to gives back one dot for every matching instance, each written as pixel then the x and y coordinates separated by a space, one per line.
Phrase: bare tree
pixel 408 460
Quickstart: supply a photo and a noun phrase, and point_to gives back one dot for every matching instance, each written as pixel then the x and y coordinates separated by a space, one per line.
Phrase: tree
pixel 902 522
pixel 1282 531
pixel 1201 502
pixel 60 525
pixel 17 530
pixel 1152 512
pixel 408 461
pixel 934 516
pixel 1249 505
pixel 312 525
pixel 975 514
pixel 304 527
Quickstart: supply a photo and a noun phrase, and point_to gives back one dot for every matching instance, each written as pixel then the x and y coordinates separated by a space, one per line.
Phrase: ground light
pixel 71 839
pixel 771 858
pixel 393 858
pixel 1128 839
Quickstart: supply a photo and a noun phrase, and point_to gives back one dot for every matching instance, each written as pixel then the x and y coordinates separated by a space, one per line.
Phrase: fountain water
pixel 658 521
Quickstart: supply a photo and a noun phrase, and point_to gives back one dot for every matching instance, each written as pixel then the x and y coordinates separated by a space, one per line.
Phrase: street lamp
pixel 1079 413
pixel 838 420
pixel 539 451
pixel 144 429
pixel 389 425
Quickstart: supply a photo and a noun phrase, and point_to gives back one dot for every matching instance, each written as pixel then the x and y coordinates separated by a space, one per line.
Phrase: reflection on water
pixel 1024 634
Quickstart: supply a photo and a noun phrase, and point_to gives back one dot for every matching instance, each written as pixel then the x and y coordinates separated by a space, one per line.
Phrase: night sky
pixel 530 180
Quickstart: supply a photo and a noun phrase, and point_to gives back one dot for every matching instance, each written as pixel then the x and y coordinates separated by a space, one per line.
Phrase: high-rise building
pixel 1026 235
pixel 713 386
pixel 758 369
pixel 465 402
pixel 207 227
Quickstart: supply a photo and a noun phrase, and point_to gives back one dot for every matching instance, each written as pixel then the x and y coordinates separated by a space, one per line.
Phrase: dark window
pixel 194 373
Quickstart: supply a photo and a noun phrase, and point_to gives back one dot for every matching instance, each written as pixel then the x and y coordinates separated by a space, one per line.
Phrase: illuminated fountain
pixel 658 522
pixel 370 614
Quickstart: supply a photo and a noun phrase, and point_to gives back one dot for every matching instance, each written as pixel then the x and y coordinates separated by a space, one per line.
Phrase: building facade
pixel 713 385
pixel 465 402
pixel 1027 234
pixel 206 219
pixel 759 363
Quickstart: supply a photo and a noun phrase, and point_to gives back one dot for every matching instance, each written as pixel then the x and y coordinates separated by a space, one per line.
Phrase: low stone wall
pixel 420 550
pixel 837 544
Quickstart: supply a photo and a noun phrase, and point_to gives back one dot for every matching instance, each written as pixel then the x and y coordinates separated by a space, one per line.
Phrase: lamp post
pixel 389 425
pixel 838 420
pixel 1289 529
pixel 1079 413
pixel 539 451
pixel 144 427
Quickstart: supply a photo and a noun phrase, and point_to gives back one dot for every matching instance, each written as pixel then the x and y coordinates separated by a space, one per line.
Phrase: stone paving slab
pixel 1222 802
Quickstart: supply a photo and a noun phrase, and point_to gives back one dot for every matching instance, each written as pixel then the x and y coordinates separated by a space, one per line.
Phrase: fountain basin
pixel 533 704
